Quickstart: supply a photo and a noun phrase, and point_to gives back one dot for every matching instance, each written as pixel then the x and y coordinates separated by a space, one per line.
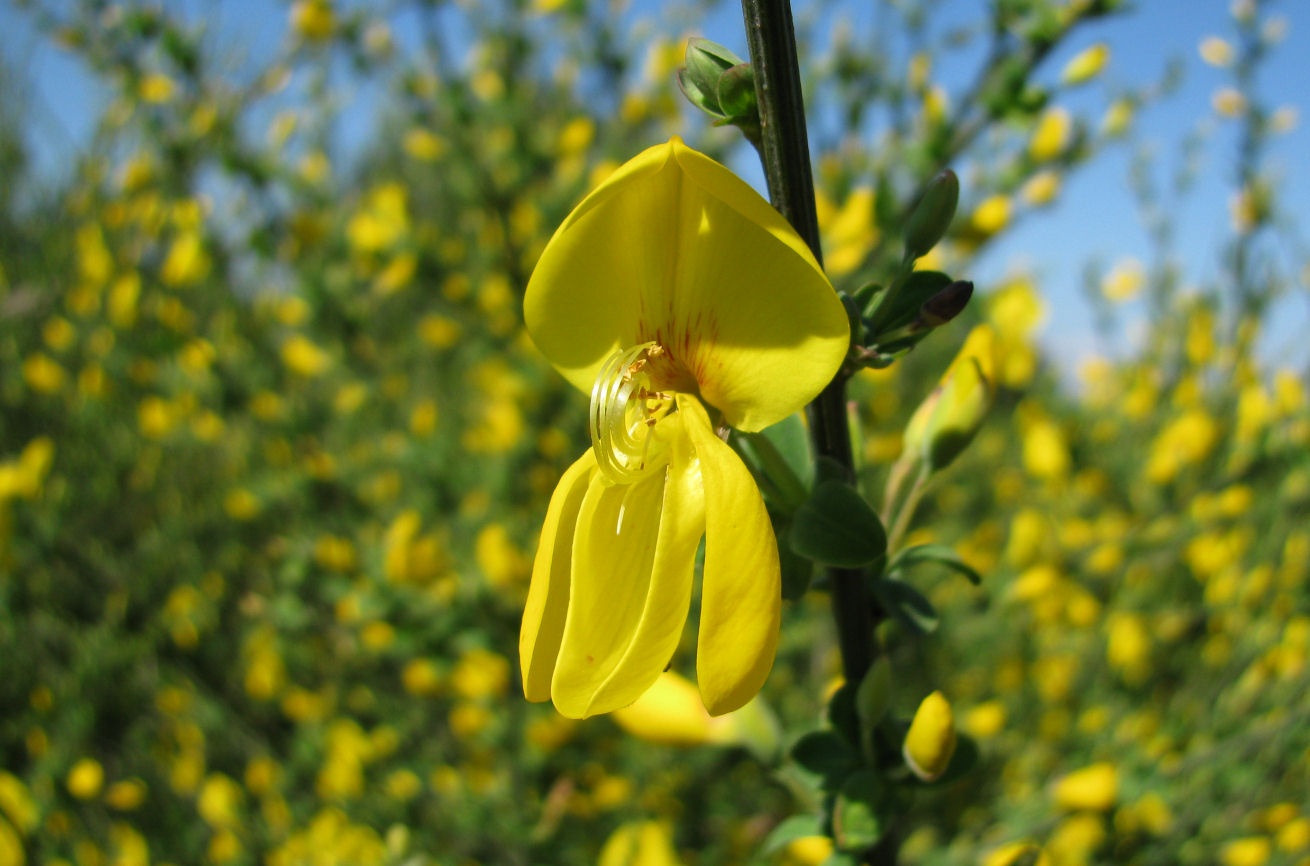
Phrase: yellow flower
pixel 673 291
pixel 640 843
pixel 930 741
pixel 85 778
pixel 1052 135
pixel 1086 65
pixel 1093 788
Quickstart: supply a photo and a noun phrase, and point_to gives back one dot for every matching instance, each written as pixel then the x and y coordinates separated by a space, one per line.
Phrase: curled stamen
pixel 624 410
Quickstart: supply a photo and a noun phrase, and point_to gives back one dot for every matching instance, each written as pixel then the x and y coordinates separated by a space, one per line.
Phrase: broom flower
pixel 684 305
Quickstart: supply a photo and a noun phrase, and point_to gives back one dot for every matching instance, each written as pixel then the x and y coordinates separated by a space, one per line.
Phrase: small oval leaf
pixel 837 527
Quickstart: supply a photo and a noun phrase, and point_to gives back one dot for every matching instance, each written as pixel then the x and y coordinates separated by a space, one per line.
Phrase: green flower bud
pixel 705 63
pixel 932 215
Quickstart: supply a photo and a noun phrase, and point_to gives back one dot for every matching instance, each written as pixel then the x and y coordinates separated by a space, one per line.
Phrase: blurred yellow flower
pixel 1010 853
pixel 126 795
pixel 43 373
pixel 1086 64
pixel 1094 788
pixel 1216 51
pixel 991 215
pixel 22 478
pixel 157 88
pixel 424 145
pixel 187 262
pixel 1041 188
pixel 849 232
pixel 1228 102
pixel 1051 137
pixel 672 287
pixel 85 778
pixel 1249 851
pixel 312 20
pixel 640 843
pixel 1124 282
pixel 807 851
pixel 303 357
pixel 671 713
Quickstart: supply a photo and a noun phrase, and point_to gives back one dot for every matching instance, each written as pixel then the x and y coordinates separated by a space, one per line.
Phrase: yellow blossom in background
pixel 381 221
pixel 621 303
pixel 424 145
pixel 1086 64
pixel 671 713
pixel 42 373
pixel 1228 102
pixel 1128 646
pixel 85 778
pixel 1124 282
pixel 1011 853
pixel 1117 118
pixel 157 88
pixel 312 20
pixel 1249 851
pixel 23 478
pixel 1045 447
pixel 640 843
pixel 849 231
pixel 1093 788
pixel 1216 51
pixel 126 795
pixel 1052 135
pixel 991 215
pixel 16 803
pixel 1041 189
pixel 187 262
pixel 303 357
pixel 1185 441
pixel 807 851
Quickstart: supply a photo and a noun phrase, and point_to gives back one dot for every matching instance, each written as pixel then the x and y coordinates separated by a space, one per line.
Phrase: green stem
pixel 786 156
pixel 908 507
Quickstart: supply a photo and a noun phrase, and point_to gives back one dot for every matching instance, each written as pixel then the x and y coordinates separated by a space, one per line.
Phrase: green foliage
pixel 274 453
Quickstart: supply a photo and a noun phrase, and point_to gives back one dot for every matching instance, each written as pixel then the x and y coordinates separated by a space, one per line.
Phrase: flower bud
pixel 930 742
pixel 946 304
pixel 932 215
pixel 947 420
pixel 705 62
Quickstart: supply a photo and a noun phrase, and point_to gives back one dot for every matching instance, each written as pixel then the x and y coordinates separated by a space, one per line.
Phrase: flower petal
pixel 548 594
pixel 741 591
pixel 634 556
pixel 677 249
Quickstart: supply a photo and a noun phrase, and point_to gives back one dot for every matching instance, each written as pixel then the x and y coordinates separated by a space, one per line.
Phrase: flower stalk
pixel 785 154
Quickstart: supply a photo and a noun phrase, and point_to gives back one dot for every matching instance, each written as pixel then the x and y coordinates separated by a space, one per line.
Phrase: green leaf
pixel 797 572
pixel 857 819
pixel 736 92
pixel 837 527
pixel 843 716
pixel 825 758
pixel 938 553
pixel 872 700
pixel 906 604
pixel 793 828
pixel 963 761
pixel 791 440
pixel 841 858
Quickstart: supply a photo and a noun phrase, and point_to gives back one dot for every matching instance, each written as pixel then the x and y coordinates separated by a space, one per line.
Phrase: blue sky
pixel 1094 219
